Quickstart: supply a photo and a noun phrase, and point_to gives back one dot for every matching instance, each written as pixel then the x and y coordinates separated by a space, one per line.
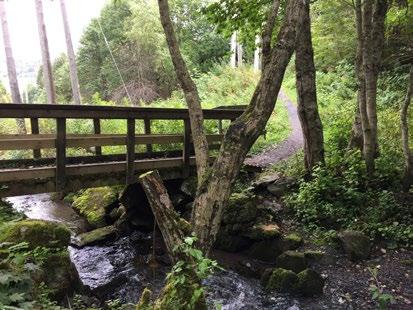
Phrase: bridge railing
pixel 61 140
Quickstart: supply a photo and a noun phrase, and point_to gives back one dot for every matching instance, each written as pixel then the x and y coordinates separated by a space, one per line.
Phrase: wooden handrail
pixel 10 110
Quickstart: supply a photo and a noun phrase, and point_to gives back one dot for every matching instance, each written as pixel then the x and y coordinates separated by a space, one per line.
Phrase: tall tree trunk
pixel 356 136
pixel 408 156
pixel 374 14
pixel 74 80
pixel 215 189
pixel 307 94
pixel 190 91
pixel 47 66
pixel 11 66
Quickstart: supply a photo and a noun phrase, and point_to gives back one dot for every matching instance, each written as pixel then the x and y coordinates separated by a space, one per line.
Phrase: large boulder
pixel 59 275
pixel 356 244
pixel 282 280
pixel 310 283
pixel 279 187
pixel 291 260
pixel 292 241
pixel 95 204
pixel 37 233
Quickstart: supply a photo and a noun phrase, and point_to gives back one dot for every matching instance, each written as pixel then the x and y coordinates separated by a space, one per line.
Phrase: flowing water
pixel 119 269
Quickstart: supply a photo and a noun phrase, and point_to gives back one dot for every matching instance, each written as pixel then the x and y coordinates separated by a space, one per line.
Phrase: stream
pixel 119 270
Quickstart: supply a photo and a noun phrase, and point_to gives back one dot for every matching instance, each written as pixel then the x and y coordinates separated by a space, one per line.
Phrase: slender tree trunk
pixel 356 137
pixel 307 94
pixel 374 14
pixel 74 80
pixel 408 156
pixel 190 90
pixel 11 66
pixel 47 66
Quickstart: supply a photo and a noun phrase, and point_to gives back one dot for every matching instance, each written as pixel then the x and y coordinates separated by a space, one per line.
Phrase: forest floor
pixel 286 148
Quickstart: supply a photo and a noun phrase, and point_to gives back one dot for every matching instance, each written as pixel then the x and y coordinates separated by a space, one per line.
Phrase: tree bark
pixel 307 94
pixel 374 14
pixel 215 188
pixel 356 136
pixel 168 220
pixel 408 156
pixel 47 66
pixel 268 32
pixel 190 91
pixel 11 66
pixel 74 80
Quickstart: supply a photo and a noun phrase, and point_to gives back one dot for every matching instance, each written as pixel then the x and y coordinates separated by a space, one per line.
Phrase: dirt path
pixel 286 148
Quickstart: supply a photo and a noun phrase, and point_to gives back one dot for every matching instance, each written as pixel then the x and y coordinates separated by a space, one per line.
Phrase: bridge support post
pixel 97 130
pixel 187 149
pixel 147 123
pixel 34 124
pixel 60 154
pixel 130 152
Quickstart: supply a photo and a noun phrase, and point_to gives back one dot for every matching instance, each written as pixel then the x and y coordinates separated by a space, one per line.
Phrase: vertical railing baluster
pixel 220 131
pixel 97 130
pixel 186 154
pixel 130 151
pixel 34 124
pixel 60 154
pixel 147 123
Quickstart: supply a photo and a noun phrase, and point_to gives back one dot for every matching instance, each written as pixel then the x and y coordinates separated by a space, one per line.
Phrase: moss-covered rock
pixel 291 260
pixel 96 203
pixel 241 208
pixel 283 281
pixel 310 283
pixel 231 243
pixel 266 250
pixel 313 256
pixel 59 275
pixel 292 241
pixel 356 244
pixel 95 236
pixel 263 231
pixel 36 233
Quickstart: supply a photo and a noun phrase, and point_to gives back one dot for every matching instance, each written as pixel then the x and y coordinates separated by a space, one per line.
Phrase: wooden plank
pixel 34 124
pixel 187 149
pixel 147 123
pixel 60 153
pixel 10 175
pixel 130 151
pixel 107 112
pixel 97 130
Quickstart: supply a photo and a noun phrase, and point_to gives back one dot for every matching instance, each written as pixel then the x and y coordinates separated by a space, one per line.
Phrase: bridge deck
pixel 63 173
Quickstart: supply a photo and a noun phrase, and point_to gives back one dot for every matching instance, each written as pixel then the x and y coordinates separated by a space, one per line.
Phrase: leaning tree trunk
pixel 190 91
pixel 74 80
pixel 47 66
pixel 307 94
pixel 408 156
pixel 356 136
pixel 11 66
pixel 268 33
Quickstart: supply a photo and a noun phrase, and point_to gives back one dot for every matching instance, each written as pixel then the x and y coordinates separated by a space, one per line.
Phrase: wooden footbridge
pixel 61 172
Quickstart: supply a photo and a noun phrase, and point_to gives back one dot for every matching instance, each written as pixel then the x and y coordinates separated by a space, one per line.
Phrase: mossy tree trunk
pixel 408 153
pixel 311 125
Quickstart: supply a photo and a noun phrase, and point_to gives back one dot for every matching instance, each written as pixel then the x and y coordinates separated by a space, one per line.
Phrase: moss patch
pixel 242 208
pixel 94 203
pixel 36 233
pixel 292 260
pixel 310 283
pixel 282 280
pixel 96 235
